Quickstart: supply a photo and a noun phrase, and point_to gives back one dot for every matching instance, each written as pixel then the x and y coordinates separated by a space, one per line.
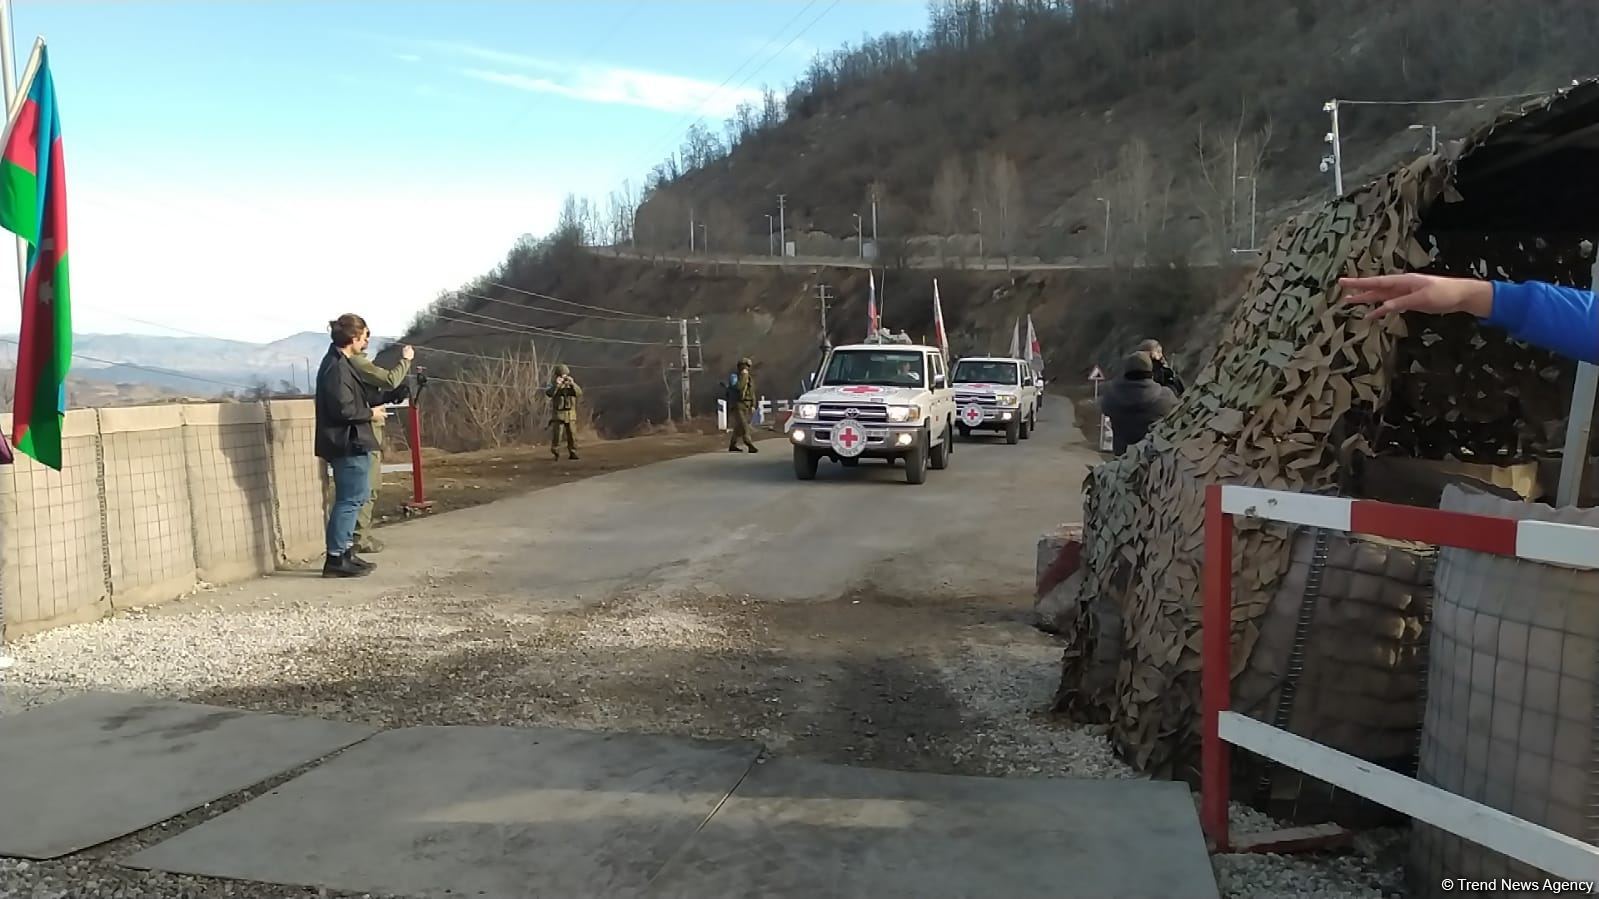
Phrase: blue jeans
pixel 351 488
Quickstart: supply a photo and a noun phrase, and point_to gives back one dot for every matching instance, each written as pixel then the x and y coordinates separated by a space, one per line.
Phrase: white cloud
pixel 629 87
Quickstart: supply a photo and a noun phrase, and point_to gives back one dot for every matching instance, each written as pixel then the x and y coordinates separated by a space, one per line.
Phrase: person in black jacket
pixel 1165 375
pixel 1134 401
pixel 344 439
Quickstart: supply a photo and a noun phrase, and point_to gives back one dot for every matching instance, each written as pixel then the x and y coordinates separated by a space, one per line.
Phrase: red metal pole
pixel 1216 665
pixel 416 455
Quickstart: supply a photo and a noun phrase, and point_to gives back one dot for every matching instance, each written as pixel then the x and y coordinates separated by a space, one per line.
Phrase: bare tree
pixel 1004 198
pixel 492 402
pixel 1224 160
pixel 949 199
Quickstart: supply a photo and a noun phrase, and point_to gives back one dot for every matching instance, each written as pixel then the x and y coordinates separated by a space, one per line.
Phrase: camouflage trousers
pixel 560 430
pixel 363 520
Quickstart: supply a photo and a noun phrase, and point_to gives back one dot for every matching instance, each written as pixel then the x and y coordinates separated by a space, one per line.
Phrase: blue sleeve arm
pixel 1562 319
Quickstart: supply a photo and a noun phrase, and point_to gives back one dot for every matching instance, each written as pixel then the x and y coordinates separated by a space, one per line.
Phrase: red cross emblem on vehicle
pixel 972 415
pixel 848 439
pixel 863 388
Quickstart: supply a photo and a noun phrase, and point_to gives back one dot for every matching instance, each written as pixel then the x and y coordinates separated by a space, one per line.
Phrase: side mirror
pixel 939 381
pixel 810 380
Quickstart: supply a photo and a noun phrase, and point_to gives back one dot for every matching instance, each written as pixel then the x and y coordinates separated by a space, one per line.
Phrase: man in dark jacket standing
pixel 1134 401
pixel 344 439
pixel 1165 375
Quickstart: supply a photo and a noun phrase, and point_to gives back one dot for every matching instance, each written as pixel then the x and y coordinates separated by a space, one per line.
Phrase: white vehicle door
pixel 943 396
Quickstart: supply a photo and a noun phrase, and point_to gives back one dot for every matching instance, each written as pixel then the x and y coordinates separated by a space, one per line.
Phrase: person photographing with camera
pixel 384 386
pixel 563 393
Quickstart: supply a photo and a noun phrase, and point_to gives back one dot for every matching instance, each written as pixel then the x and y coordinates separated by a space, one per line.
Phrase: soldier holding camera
pixel 563 393
pixel 384 386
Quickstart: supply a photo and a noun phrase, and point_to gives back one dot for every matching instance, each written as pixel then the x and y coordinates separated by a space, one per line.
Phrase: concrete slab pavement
pixel 89 769
pixel 473 811
pixel 802 829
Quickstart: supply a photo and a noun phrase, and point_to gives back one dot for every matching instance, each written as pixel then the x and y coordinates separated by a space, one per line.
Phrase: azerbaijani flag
pixel 33 206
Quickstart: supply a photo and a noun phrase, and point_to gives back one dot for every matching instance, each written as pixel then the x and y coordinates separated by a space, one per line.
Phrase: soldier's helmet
pixel 561 371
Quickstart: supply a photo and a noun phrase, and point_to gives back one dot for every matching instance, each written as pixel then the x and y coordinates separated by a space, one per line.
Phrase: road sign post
pixel 1105 441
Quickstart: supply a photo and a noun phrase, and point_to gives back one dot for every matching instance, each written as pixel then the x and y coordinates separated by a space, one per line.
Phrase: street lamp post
pixel 1254 183
pixel 705 240
pixel 771 235
pixel 860 244
pixel 1432 136
pixel 979 232
pixel 1107 223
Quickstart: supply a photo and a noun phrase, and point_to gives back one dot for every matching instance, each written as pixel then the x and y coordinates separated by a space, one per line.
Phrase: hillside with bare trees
pixel 1012 127
pixel 1151 142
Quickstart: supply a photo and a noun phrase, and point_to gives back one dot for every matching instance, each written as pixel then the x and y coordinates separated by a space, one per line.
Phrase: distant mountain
pixel 195 366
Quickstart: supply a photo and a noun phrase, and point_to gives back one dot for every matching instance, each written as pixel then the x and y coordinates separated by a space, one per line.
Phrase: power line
pixel 631 384
pixel 1443 102
pixel 678 125
pixel 500 324
pixel 145 368
pixel 553 311
pixel 420 347
pixel 545 296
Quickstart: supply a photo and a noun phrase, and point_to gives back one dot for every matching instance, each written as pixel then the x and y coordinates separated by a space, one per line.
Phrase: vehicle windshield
pixel 884 368
pixel 983 372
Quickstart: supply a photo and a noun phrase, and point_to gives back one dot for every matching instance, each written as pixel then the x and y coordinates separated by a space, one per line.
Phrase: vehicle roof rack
pixel 884 335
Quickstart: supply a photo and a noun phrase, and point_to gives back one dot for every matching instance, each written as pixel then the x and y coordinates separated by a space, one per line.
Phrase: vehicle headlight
pixel 1007 399
pixel 904 413
pixel 807 411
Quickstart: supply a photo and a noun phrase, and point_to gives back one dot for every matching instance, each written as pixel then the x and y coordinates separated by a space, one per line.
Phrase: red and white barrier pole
pixel 1215 667
pixel 419 502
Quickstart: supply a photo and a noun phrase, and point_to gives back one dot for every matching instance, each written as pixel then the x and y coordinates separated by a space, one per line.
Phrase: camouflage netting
pixel 1299 390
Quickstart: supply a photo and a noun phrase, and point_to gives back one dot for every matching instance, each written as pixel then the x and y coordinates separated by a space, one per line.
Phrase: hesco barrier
pixel 151 501
pixel 1298 389
pixel 1513 699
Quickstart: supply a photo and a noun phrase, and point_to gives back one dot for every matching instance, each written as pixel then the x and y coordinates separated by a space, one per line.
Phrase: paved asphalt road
pixel 743 525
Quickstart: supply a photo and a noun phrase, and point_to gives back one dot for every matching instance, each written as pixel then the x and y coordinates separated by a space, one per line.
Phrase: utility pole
pixel 1336 160
pixel 682 329
pixel 860 242
pixel 782 229
pixel 876 247
pixel 771 239
pixel 691 229
pixel 1107 223
pixel 705 239
pixel 1254 184
pixel 823 297
pixel 979 233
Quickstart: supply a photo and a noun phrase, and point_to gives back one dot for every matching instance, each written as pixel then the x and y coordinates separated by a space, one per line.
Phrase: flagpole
pixel 8 80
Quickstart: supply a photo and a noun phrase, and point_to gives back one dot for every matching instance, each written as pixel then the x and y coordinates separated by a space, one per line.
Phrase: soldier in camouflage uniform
pixel 379 381
pixel 563 393
pixel 741 405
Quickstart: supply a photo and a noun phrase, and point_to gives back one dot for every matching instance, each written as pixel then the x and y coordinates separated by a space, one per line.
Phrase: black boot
pixel 341 566
pixel 752 447
pixel 734 449
pixel 572 455
pixel 357 561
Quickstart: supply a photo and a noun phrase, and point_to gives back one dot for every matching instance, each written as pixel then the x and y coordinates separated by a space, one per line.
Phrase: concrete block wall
pixel 152 500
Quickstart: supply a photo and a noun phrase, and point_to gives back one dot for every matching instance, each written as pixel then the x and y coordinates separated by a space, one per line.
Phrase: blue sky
pixel 251 169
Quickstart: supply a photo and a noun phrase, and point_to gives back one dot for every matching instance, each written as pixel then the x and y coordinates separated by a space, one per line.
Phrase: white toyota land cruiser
pixel 881 400
pixel 996 394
